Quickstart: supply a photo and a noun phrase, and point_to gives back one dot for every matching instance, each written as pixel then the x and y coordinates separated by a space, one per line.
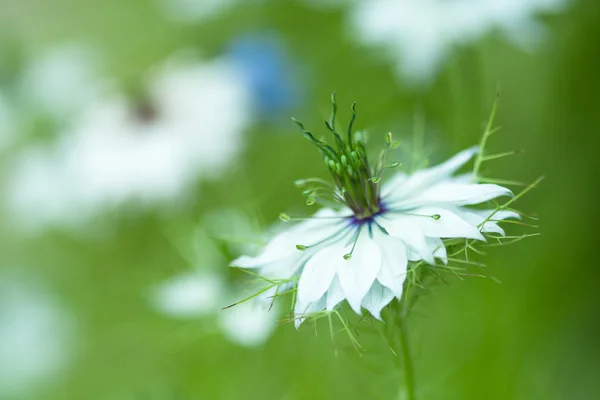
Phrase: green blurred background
pixel 534 336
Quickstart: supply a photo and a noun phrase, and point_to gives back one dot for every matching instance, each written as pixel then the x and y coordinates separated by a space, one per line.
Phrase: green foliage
pixel 533 337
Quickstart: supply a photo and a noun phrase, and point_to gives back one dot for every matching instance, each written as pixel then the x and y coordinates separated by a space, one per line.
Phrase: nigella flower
pixel 120 151
pixel 420 35
pixel 202 295
pixel 204 292
pixel 198 11
pixel 37 337
pixel 360 252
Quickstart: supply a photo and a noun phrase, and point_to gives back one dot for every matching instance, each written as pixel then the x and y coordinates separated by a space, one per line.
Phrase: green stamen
pixel 355 183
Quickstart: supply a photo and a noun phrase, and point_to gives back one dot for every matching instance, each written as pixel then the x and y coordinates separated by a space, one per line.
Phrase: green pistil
pixel 356 183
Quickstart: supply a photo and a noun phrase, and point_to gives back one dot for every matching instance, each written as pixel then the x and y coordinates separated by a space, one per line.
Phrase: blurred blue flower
pixel 269 73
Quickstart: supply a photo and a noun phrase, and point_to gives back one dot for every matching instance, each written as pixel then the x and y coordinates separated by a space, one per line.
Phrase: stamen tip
pixel 388 138
pixel 301 247
pixel 347 256
pixel 284 217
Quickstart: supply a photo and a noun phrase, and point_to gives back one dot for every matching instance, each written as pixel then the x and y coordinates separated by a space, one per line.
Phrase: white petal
pixel 413 255
pixel 493 227
pixel 319 272
pixel 453 193
pixel 476 217
pixel 394 262
pixel 449 225
pixel 435 246
pixel 463 178
pixel 399 189
pixel 357 274
pixel 378 297
pixel 335 294
pixel 410 234
pixel 285 267
pixel 390 188
pixel 439 249
pixel 301 310
pixel 452 165
pixel 284 243
pixel 502 214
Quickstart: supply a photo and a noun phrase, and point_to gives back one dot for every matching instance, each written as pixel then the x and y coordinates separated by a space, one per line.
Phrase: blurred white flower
pixel 204 294
pixel 190 295
pixel 36 338
pixel 195 10
pixel 361 255
pixel 118 151
pixel 250 323
pixel 419 34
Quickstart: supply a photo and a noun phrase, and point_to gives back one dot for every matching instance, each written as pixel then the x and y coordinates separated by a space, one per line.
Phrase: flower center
pixel 355 181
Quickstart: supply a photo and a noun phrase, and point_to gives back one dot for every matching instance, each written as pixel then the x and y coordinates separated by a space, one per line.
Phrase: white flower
pixel 36 338
pixel 361 255
pixel 204 294
pixel 195 10
pixel 251 323
pixel 188 11
pixel 419 34
pixel 118 152
pixel 190 295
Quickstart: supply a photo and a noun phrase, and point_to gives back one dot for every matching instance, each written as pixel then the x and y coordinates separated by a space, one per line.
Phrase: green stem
pixel 488 132
pixel 397 334
pixel 409 377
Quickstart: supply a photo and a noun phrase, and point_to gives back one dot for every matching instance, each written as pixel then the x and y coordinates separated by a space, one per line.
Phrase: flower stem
pixel 397 336
pixel 408 390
